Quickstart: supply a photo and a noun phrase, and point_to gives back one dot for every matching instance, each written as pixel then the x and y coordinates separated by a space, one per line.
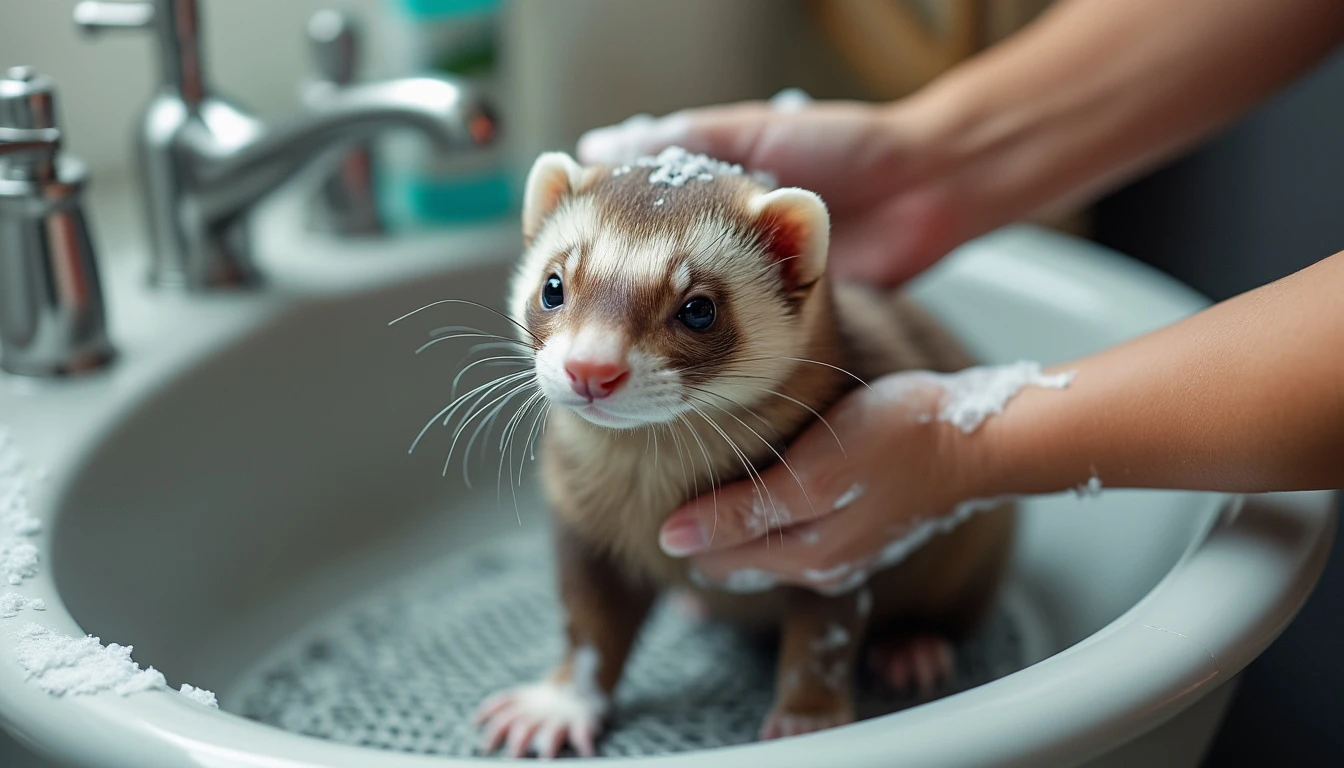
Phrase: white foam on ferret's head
pixel 675 167
pixel 975 394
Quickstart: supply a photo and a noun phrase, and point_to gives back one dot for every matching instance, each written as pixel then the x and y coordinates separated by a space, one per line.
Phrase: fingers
pixel 727 133
pixel 816 555
pixel 812 481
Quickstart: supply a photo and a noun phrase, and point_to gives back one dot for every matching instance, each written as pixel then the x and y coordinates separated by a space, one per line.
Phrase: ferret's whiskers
pixel 832 367
pixel 798 403
pixel 773 449
pixel 508 344
pixel 757 482
pixel 506 454
pixel 485 425
pixel 793 359
pixel 507 358
pixel 490 388
pixel 476 304
pixel 530 444
pixel 462 425
pixel 676 442
pixel 736 404
pixel 713 479
pixel 453 336
pixel 455 403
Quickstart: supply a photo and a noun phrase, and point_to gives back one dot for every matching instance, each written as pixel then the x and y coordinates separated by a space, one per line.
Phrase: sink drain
pixel 405 669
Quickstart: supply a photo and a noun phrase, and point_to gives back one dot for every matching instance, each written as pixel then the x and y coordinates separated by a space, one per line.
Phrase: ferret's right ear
pixel 553 175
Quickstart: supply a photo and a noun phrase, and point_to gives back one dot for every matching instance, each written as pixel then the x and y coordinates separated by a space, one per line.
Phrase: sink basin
pixel 238 487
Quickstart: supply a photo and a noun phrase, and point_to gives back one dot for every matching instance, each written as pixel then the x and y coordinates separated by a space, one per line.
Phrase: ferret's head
pixel 663 287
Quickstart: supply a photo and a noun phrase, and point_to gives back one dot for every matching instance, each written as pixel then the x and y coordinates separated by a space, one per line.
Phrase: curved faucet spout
pixel 230 177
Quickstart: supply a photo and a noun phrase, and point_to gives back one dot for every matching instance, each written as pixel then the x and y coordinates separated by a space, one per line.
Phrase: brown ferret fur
pixel 627 250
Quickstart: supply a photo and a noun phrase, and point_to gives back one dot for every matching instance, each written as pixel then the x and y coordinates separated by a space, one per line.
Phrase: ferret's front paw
pixel 780 723
pixel 542 719
pixel 921 662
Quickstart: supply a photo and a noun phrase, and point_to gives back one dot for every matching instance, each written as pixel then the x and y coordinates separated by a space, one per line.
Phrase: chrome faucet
pixel 52 321
pixel 346 202
pixel 206 162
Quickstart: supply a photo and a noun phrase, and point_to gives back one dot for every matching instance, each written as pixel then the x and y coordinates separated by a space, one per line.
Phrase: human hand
pixel 894 209
pixel 911 468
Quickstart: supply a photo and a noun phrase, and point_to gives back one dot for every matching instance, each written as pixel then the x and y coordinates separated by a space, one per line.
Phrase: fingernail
pixel 600 145
pixel 683 537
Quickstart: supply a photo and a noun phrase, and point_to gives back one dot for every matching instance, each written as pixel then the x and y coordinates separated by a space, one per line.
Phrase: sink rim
pixel 154 729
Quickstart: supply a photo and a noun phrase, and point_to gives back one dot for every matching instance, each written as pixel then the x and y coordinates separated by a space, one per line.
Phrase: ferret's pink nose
pixel 595 380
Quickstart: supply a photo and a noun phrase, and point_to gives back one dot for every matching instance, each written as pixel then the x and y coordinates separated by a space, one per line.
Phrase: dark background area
pixel 1261 200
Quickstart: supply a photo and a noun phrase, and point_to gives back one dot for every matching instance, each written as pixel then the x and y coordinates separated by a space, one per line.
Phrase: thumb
pixel 734 514
pixel 785 494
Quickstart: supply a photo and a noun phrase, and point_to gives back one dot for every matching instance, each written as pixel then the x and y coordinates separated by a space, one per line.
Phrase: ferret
pixel 674 295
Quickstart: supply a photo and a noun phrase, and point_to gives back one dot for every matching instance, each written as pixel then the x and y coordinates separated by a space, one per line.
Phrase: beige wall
pixel 579 63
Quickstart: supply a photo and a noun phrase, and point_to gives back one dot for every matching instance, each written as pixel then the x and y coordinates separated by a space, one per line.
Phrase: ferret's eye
pixel 697 314
pixel 552 292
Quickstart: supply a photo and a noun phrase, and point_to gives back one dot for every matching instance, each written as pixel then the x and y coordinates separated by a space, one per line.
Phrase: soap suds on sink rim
pixel 199 695
pixel 18 557
pixel 12 603
pixel 63 665
pixel 81 666
pixel 56 663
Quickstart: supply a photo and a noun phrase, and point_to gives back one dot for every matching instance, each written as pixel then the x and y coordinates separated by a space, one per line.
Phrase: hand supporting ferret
pixel 860 491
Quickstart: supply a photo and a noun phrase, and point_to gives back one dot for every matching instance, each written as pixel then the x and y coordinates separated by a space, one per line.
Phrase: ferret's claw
pixel 539 720
pixel 923 662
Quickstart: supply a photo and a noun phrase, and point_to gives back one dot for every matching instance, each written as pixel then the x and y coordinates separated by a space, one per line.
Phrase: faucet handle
pixel 334 36
pixel 95 16
pixel 28 126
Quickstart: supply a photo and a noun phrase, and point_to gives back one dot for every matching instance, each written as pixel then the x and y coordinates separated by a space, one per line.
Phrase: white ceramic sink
pixel 242 472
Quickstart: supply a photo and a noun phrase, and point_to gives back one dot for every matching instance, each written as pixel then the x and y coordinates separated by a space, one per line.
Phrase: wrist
pixel 1030 448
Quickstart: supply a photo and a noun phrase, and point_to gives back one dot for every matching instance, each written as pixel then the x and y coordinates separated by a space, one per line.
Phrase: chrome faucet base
pixel 205 163
pixel 52 319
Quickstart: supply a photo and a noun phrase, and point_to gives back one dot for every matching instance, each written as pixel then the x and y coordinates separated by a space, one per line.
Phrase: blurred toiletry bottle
pixel 421 187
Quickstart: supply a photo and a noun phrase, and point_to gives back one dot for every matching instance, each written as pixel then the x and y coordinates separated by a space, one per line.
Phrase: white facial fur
pixel 573 237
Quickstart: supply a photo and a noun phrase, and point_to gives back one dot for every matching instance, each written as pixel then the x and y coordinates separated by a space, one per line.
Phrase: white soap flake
pixel 199 695
pixel 18 560
pixel 16 518
pixel 1089 489
pixel 790 100
pixel 62 665
pixel 675 166
pixel 12 603
pixel 853 494
pixel 836 637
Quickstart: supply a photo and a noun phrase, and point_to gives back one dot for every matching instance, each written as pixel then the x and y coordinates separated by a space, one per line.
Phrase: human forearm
pixel 1098 90
pixel 1247 396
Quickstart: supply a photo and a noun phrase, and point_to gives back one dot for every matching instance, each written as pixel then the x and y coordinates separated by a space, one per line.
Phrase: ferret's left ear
pixel 553 175
pixel 797 230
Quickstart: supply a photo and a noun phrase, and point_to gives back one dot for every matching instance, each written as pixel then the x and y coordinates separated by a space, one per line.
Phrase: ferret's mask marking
pixel 629 266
